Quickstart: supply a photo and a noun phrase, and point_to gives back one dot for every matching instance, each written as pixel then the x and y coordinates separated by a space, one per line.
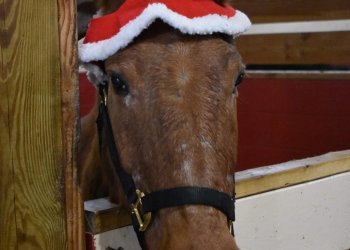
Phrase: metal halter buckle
pixel 104 96
pixel 136 209
pixel 230 226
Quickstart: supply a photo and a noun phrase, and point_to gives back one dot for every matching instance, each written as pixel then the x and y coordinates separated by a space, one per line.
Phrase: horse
pixel 171 101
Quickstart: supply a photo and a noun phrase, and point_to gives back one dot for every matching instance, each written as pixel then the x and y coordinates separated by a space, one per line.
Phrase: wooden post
pixel 7 206
pixel 39 200
pixel 70 113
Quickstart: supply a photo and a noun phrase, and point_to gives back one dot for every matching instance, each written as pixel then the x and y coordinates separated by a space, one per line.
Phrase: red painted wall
pixel 87 95
pixel 286 119
pixel 282 119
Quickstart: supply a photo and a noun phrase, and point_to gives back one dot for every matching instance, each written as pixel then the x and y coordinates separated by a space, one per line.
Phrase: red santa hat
pixel 108 34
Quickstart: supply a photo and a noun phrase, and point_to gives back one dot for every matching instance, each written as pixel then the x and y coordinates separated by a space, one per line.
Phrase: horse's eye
pixel 239 79
pixel 119 84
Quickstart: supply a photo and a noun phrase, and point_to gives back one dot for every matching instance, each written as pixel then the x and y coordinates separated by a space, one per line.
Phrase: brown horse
pixel 174 118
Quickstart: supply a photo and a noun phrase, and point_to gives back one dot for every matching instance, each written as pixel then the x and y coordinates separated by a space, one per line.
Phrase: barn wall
pixel 284 113
pixel 262 11
pixel 313 215
pixel 286 119
pixel 35 155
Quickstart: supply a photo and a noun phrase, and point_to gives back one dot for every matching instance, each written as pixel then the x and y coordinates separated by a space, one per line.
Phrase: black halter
pixel 143 205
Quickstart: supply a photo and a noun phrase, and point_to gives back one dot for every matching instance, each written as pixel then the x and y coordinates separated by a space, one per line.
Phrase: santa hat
pixel 108 34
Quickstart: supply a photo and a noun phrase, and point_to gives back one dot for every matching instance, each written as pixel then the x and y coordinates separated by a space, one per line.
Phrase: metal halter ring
pixel 230 226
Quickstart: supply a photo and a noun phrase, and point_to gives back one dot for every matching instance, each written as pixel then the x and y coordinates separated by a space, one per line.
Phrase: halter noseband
pixel 143 205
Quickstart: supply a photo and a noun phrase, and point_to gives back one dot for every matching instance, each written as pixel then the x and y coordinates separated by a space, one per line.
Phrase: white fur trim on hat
pixel 205 25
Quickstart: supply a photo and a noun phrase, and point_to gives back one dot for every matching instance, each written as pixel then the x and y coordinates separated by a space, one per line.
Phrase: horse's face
pixel 172 103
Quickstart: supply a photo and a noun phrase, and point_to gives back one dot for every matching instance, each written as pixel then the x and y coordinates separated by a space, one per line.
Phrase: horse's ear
pixel 108 6
pixel 95 74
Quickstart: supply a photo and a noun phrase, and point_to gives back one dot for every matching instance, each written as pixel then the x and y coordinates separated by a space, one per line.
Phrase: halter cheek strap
pixel 143 205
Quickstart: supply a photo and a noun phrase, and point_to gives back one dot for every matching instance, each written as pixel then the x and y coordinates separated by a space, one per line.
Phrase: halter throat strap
pixel 143 205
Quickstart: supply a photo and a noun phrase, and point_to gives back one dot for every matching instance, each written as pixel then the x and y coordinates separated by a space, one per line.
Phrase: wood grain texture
pixel 30 175
pixel 7 209
pixel 106 220
pixel 70 114
pixel 309 48
pixel 265 11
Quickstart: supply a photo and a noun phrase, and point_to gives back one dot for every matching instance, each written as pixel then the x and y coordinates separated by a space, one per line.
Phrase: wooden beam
pixel 258 180
pixel 101 215
pixel 265 11
pixel 70 115
pixel 32 202
pixel 299 27
pixel 251 74
pixel 307 48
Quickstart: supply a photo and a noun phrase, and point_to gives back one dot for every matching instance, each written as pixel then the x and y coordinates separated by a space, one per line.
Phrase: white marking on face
pixel 182 148
pixel 136 177
pixel 183 76
pixel 127 100
pixel 186 171
pixel 186 168
pixel 204 141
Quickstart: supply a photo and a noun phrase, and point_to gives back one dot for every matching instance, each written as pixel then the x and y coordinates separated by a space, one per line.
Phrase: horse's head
pixel 172 105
